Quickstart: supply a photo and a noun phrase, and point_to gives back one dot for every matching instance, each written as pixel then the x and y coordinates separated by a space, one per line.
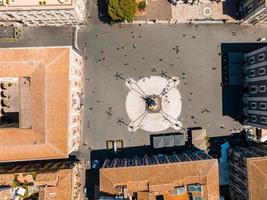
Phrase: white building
pixel 42 12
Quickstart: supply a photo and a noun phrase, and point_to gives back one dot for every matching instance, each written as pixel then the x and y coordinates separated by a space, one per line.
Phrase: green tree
pixel 142 5
pixel 121 10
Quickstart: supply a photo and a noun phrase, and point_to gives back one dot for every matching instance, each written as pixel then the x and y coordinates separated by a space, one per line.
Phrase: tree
pixel 121 10
pixel 142 5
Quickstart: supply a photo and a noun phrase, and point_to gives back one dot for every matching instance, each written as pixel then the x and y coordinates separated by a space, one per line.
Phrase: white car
pixel 261 39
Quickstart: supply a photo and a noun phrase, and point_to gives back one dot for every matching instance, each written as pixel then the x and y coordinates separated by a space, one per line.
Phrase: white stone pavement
pixel 171 104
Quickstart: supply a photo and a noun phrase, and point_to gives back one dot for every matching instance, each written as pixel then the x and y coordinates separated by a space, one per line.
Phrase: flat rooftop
pixel 36 4
pixel 45 107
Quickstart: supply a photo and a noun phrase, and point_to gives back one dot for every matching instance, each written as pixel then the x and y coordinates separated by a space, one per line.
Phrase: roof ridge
pixel 57 57
pixel 215 163
pixel 252 162
pixel 105 175
pixel 55 148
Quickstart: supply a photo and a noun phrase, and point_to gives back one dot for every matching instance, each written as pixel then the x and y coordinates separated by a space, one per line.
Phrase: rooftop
pixel 162 178
pixel 56 184
pixel 48 71
pixel 257 177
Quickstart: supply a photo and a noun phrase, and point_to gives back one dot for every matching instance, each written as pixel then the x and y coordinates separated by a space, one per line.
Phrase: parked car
pixel 261 39
pixel 95 164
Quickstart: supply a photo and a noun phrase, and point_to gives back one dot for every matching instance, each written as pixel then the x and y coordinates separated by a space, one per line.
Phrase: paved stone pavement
pixel 190 52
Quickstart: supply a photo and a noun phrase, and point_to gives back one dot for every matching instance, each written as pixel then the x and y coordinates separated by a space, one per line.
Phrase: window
pixel 249 8
pixel 181 190
pixel 253 118
pixel 259 1
pixel 261 57
pixel 263 106
pixel 253 105
pixel 251 60
pixel 252 73
pixel 262 88
pixel 263 120
pixel 261 71
pixel 253 89
pixel 194 188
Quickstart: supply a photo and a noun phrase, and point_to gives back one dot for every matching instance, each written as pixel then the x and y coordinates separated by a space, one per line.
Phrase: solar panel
pixel 192 156
pixel 172 158
pixel 141 161
pixel 130 162
pixel 182 157
pixel 151 160
pixel 120 163
pixel 162 159
pixel 107 164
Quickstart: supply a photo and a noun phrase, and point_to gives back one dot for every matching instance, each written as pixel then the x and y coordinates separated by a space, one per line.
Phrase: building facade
pixel 248 173
pixel 255 83
pixel 41 111
pixel 252 11
pixel 42 12
pixel 176 176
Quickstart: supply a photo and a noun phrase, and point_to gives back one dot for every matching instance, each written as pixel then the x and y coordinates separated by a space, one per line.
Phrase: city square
pixel 168 103
pixel 190 52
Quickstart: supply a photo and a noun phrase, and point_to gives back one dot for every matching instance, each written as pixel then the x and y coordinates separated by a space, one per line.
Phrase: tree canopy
pixel 121 10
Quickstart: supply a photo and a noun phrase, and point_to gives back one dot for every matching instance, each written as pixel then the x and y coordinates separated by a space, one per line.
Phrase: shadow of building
pixel 230 8
pixel 103 11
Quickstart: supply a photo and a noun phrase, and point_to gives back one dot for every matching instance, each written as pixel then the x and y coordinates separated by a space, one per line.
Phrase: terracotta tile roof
pixel 163 177
pixel 48 69
pixel 61 188
pixel 257 178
